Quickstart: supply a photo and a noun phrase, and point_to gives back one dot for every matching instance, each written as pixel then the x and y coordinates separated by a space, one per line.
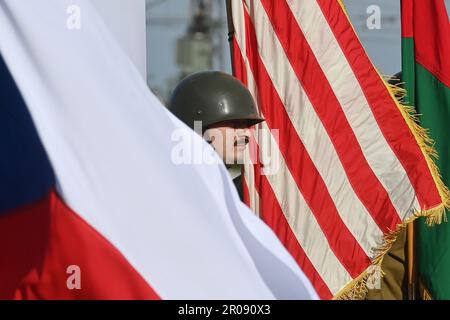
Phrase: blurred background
pixel 184 36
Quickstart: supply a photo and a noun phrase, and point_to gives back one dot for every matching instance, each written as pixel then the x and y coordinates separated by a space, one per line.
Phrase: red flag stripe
pixel 240 72
pixel 407 18
pixel 361 176
pixel 314 190
pixel 239 66
pixel 389 118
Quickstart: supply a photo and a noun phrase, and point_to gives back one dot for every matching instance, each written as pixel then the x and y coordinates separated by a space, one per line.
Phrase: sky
pixel 169 20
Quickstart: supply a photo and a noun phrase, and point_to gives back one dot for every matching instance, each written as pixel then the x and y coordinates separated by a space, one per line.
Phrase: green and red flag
pixel 426 72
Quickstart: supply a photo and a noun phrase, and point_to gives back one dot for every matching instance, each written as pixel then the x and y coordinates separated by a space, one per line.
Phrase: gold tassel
pixel 424 292
pixel 434 215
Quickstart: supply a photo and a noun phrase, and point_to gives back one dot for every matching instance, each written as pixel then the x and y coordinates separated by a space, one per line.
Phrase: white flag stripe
pixel 347 89
pixel 313 135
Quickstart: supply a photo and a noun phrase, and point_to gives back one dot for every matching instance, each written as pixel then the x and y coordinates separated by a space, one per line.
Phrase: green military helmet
pixel 212 97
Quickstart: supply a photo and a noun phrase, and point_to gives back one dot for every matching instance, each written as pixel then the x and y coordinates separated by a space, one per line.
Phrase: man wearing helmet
pixel 226 111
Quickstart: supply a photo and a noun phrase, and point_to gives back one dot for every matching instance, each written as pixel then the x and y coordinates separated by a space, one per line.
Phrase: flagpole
pixel 411 262
pixel 230 33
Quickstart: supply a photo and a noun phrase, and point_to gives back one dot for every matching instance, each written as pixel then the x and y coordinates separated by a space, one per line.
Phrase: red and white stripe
pixel 350 168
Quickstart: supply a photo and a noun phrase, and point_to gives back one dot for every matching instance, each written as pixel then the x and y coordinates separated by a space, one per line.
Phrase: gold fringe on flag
pixel 423 291
pixel 357 288
pixel 426 143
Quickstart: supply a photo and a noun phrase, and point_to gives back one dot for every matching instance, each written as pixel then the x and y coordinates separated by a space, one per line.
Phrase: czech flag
pixel 92 205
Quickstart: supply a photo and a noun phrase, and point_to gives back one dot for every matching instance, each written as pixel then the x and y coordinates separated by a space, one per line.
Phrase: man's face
pixel 229 139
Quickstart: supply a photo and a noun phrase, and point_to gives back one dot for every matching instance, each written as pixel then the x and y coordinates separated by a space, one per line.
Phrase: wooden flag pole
pixel 411 262
pixel 230 33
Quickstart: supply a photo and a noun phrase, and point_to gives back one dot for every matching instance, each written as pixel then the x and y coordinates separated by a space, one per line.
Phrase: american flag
pixel 352 164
